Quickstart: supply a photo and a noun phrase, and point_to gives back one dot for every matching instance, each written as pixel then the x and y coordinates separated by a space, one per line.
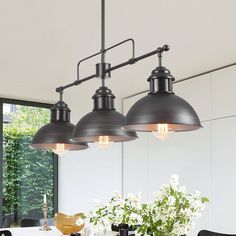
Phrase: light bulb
pixel 60 149
pixel 103 142
pixel 162 131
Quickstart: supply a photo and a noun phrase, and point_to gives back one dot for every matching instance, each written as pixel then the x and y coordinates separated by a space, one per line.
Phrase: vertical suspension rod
pixel 159 54
pixel 103 38
pixel 61 95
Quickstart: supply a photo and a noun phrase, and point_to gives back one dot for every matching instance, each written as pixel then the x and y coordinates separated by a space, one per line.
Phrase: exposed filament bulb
pixel 60 149
pixel 103 142
pixel 162 131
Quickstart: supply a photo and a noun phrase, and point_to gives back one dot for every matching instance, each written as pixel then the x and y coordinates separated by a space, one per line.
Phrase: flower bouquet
pixel 173 212
pixel 123 213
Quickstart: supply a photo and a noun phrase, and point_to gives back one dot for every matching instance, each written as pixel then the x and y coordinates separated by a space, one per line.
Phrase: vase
pixel 67 224
pixel 124 229
pixel 123 232
pixel 116 228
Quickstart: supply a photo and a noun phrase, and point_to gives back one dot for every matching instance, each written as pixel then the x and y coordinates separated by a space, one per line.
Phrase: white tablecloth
pixel 33 231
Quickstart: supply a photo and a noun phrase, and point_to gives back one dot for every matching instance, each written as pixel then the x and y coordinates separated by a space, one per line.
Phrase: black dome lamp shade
pixel 161 111
pixel 103 124
pixel 56 135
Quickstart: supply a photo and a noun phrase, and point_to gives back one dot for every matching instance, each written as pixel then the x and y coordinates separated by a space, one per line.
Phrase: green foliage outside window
pixel 27 173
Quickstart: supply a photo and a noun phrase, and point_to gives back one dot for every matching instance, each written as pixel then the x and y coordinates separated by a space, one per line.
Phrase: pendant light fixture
pixel 56 135
pixel 161 111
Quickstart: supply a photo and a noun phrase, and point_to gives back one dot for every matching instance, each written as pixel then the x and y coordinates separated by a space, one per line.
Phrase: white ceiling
pixel 42 40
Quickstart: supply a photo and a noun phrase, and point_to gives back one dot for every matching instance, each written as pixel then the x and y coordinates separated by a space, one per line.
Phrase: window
pixel 27 174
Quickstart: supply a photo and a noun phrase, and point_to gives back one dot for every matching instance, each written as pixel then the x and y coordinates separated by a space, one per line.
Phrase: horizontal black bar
pixel 25 102
pixel 87 78
pixel 129 62
pixel 75 83
pixel 147 55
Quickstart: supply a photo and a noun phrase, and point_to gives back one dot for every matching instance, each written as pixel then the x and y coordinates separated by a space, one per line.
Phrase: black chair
pixel 8 220
pixel 5 233
pixel 210 233
pixel 29 222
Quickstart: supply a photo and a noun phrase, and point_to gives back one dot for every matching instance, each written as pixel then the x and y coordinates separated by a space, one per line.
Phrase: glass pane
pixel 27 174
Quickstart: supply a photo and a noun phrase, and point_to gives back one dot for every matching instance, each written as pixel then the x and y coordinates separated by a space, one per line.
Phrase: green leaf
pixel 204 199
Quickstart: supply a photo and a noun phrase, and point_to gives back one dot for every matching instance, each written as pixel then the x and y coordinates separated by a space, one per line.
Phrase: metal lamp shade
pixel 54 133
pixel 161 108
pixel 58 131
pixel 102 123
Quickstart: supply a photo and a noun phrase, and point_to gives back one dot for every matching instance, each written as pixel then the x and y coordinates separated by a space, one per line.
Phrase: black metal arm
pixel 105 50
pixel 131 61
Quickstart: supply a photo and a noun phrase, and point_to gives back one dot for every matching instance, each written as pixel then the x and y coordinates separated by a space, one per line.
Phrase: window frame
pixel 55 157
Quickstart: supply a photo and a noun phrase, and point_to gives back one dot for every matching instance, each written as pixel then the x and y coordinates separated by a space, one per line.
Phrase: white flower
pixel 182 189
pixel 137 219
pixel 97 203
pixel 130 196
pixel 197 194
pixel 174 180
pixel 171 200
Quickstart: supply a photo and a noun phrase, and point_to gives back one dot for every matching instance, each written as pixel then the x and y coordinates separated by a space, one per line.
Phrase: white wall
pixel 88 175
pixel 204 159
